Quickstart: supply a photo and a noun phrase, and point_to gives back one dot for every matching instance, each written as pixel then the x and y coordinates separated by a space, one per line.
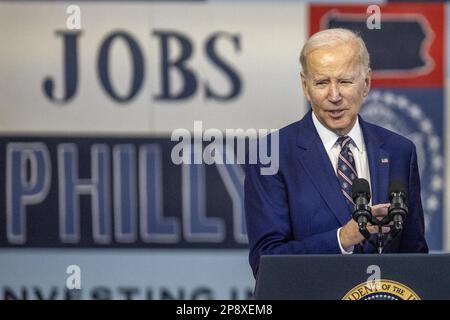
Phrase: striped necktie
pixel 346 169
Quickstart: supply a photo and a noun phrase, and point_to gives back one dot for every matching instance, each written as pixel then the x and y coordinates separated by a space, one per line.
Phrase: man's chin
pixel 339 127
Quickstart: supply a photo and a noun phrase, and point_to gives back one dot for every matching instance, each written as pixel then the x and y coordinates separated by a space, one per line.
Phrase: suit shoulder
pixel 290 131
pixel 283 134
pixel 290 128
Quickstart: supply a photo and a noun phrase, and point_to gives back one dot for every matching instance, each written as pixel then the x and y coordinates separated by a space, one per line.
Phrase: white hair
pixel 332 38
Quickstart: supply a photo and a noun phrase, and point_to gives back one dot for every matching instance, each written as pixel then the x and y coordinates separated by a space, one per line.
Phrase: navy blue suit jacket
pixel 299 209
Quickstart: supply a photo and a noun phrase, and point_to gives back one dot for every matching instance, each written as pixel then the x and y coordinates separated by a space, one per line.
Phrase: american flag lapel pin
pixel 384 160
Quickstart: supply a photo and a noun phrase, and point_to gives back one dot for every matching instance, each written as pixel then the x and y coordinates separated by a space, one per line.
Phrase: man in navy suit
pixel 306 207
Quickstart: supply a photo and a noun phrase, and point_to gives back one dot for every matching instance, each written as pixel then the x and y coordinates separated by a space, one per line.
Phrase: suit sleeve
pixel 413 238
pixel 269 223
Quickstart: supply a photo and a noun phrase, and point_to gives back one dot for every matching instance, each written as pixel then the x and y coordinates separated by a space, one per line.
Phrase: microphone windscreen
pixel 360 186
pixel 397 186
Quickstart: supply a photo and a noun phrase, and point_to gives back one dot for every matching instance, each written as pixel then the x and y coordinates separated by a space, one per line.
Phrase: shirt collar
pixel 329 138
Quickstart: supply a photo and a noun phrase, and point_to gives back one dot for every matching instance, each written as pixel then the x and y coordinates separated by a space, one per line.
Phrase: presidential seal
pixel 381 290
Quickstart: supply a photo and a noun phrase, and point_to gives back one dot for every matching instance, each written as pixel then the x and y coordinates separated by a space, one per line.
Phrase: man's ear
pixel 304 86
pixel 367 82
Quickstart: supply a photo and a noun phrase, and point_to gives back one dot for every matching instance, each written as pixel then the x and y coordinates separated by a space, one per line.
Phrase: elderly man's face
pixel 335 85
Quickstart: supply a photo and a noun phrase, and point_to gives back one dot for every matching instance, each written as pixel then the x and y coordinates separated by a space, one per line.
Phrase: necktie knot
pixel 344 141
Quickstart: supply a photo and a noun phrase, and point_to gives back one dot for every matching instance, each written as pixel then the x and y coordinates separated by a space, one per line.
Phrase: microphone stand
pixel 380 243
pixel 380 239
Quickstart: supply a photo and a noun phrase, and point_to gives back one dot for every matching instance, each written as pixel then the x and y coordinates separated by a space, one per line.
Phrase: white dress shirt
pixel 358 149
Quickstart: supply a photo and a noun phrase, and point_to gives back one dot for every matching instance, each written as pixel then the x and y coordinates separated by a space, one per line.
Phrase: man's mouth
pixel 336 113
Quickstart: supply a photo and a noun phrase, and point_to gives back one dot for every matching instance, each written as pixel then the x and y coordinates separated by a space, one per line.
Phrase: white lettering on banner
pixel 24 189
pixel 129 292
pixel 29 185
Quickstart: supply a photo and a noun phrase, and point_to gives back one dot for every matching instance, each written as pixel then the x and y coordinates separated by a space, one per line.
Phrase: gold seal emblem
pixel 381 290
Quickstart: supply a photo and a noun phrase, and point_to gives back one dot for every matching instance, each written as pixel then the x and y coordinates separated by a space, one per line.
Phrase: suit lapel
pixel 379 171
pixel 313 157
pixel 378 164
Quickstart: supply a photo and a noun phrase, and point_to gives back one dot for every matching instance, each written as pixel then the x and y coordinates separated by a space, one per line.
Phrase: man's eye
pixel 346 81
pixel 320 83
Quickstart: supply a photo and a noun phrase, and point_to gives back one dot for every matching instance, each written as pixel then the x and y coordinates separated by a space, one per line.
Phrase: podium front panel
pixel 354 277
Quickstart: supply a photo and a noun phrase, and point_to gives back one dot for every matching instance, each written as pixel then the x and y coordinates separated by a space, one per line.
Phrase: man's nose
pixel 334 94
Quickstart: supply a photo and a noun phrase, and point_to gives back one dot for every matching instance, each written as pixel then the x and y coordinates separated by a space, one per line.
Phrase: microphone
pixel 397 210
pixel 361 197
